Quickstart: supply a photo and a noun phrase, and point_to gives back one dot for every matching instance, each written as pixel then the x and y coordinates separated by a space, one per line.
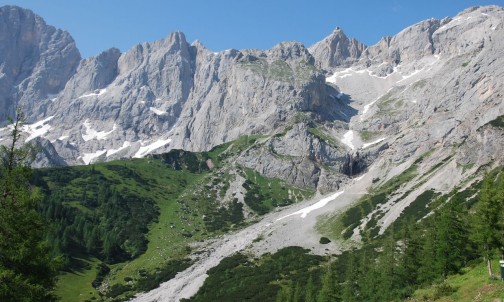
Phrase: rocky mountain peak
pixel 173 41
pixel 170 94
pixel 288 51
pixel 410 44
pixel 336 50
pixel 36 60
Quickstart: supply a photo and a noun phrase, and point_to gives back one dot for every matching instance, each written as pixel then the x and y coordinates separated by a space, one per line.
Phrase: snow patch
pixel 339 74
pixel 359 178
pixel 405 77
pixel 125 145
pixel 90 133
pixel 144 150
pixel 88 157
pixel 64 137
pixel 37 129
pixel 95 93
pixel 373 143
pixel 157 111
pixel 367 106
pixel 348 138
pixel 320 204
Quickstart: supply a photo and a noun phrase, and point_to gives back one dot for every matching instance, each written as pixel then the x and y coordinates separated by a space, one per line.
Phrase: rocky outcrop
pixel 337 50
pixel 36 61
pixel 172 94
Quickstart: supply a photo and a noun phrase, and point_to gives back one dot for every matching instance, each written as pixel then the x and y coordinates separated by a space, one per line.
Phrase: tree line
pixel 459 231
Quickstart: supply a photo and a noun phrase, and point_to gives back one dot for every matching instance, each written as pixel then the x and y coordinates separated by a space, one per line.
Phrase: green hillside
pixel 472 284
pixel 126 226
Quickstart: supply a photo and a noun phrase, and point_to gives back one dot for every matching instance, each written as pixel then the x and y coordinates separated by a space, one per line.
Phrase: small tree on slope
pixel 27 271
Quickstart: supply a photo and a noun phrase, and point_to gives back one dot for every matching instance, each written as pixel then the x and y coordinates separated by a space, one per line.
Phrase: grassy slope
pixel 183 199
pixel 165 237
pixel 472 285
pixel 76 285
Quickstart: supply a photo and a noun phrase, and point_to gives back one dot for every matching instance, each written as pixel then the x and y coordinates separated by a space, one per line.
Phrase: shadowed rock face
pixel 36 60
pixel 328 111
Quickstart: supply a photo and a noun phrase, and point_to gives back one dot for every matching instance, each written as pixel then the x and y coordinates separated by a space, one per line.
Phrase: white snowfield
pixel 144 150
pixel 321 203
pixel 348 139
pixel 88 157
pixel 373 143
pixel 157 111
pixel 95 93
pixel 125 145
pixel 90 133
pixel 37 129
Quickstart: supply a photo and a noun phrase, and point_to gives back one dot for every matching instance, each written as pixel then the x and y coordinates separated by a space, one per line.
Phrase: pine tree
pixel 409 262
pixel 284 294
pixel 298 293
pixel 367 275
pixel 351 286
pixel 410 257
pixel 328 292
pixel 27 271
pixel 427 272
pixel 452 237
pixel 386 268
pixel 310 290
pixel 487 221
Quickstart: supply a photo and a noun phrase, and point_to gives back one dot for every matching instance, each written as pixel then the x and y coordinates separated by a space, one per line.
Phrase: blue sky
pixel 97 25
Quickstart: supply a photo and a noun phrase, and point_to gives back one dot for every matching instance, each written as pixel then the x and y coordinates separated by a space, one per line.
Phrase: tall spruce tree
pixel 328 291
pixel 310 295
pixel 27 271
pixel 487 220
pixel 452 237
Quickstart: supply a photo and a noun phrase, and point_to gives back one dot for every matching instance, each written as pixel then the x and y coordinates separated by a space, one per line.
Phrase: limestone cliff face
pixel 337 50
pixel 36 61
pixel 171 94
pixel 326 113
pixel 434 86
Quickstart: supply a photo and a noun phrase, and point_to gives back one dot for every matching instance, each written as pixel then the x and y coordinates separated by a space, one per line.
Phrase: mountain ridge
pixel 369 128
pixel 170 94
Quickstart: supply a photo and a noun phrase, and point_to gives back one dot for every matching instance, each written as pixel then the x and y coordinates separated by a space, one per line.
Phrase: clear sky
pixel 97 25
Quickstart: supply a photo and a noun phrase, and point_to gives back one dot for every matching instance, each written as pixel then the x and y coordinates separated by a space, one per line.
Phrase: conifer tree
pixel 328 292
pixel 298 293
pixel 284 294
pixel 409 262
pixel 386 267
pixel 310 295
pixel 452 237
pixel 27 271
pixel 351 286
pixel 427 272
pixel 487 221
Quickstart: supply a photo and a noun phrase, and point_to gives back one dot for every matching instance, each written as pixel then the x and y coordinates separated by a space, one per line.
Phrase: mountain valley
pixel 161 163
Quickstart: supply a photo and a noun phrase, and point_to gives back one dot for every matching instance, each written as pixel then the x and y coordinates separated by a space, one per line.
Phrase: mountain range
pixel 434 83
pixel 325 115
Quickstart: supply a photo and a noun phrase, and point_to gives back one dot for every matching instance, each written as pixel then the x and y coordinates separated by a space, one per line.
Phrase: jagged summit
pixel 36 60
pixel 171 94
pixel 337 50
